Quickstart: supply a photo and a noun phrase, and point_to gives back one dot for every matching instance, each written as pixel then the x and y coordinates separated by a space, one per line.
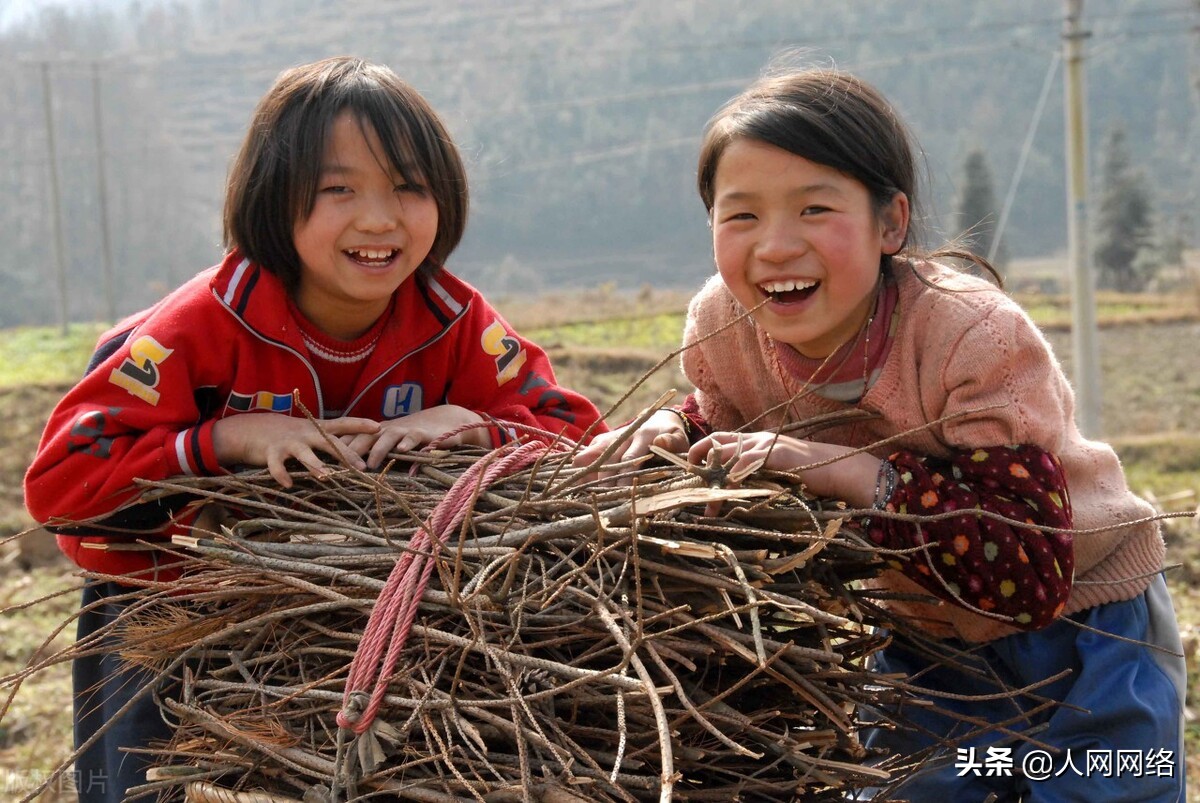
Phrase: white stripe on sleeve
pixel 181 453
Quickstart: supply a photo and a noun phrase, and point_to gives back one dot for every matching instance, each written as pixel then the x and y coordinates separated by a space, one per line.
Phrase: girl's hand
pixel 664 429
pixel 412 431
pixel 269 439
pixel 850 478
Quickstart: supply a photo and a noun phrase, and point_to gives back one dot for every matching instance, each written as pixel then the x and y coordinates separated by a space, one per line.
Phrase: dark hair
pixel 273 181
pixel 825 116
pixel 834 119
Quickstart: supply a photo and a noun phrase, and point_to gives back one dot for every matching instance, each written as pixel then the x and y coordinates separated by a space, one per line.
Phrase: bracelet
pixel 885 484
pixel 687 422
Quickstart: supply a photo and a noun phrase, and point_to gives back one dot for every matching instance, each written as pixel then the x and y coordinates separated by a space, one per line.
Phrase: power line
pixel 576 158
pixel 691 88
pixel 522 52
pixel 583 157
pixel 173 66
pixel 1118 41
pixel 685 89
pixel 1026 147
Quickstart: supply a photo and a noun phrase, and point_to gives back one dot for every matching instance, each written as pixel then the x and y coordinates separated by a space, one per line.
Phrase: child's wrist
pixel 226 445
pixel 685 423
pixel 481 435
pixel 885 484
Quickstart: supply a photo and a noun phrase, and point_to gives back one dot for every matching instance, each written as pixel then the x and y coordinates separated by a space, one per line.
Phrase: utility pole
pixel 1086 359
pixel 1196 53
pixel 1191 197
pixel 110 308
pixel 60 270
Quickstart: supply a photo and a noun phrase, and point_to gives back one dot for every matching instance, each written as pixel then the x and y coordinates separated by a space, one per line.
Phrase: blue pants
pixel 1132 696
pixel 103 685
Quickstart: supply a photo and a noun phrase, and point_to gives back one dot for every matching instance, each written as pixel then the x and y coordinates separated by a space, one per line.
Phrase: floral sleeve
pixel 996 566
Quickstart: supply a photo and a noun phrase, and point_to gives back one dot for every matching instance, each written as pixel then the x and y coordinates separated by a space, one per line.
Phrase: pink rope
pixel 392 617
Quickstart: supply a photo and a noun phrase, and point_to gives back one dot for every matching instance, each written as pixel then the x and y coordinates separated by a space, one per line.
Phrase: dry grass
pixel 35 734
pixel 1149 407
pixel 605 302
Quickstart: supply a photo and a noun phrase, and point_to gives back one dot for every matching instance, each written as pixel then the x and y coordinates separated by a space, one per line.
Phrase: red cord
pixel 396 608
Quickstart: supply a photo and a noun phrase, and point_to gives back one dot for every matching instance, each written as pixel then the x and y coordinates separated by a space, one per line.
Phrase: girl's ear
pixel 893 219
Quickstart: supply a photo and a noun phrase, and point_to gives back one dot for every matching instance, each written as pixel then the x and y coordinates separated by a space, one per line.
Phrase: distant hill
pixel 579 120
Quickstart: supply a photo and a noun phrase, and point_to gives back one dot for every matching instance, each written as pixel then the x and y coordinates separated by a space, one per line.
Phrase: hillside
pixel 579 121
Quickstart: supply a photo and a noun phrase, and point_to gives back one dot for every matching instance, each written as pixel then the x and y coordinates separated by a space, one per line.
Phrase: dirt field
pixel 1152 386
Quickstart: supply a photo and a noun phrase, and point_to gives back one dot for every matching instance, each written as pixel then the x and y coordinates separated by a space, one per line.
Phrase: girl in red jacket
pixel 342 206
pixel 810 185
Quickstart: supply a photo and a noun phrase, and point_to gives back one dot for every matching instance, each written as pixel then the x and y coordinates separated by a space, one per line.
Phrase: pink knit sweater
pixel 957 350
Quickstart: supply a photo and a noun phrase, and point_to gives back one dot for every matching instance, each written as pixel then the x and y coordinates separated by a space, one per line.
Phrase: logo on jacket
pixel 139 374
pixel 399 400
pixel 261 400
pixel 87 433
pixel 505 348
pixel 551 401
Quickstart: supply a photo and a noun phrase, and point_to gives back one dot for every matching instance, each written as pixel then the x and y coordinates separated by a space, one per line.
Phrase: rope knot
pixel 353 706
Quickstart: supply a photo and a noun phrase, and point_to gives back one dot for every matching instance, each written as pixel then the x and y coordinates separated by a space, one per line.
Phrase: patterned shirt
pixel 988 564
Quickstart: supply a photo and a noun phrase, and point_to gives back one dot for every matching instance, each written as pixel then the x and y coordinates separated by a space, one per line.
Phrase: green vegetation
pixel 661 332
pixel 1127 254
pixel 1163 466
pixel 1148 403
pixel 42 355
pixel 1054 311
pixel 978 213
pixel 35 355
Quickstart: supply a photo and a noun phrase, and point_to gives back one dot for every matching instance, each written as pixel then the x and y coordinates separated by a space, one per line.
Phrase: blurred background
pixel 579 121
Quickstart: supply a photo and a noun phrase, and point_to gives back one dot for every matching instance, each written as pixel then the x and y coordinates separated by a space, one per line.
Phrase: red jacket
pixel 226 343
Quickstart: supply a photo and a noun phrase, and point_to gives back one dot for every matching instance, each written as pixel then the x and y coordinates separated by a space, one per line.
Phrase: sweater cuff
pixel 695 425
pixel 194 452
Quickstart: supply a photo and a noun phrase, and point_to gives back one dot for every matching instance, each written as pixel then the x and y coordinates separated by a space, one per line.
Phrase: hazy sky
pixel 15 11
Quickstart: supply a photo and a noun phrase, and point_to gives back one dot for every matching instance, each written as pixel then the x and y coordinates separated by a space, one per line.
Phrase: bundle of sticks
pixel 456 629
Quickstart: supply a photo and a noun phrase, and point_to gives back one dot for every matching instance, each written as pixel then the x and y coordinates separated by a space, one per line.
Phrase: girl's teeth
pixel 786 286
pixel 372 255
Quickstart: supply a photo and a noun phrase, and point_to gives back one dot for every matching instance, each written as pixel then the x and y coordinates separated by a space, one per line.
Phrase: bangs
pixel 274 181
pixel 404 150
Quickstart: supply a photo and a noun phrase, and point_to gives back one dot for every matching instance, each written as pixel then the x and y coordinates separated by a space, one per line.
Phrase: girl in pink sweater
pixel 809 181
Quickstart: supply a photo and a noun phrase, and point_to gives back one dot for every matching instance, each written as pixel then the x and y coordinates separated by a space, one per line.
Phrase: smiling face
pixel 805 238
pixel 368 231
